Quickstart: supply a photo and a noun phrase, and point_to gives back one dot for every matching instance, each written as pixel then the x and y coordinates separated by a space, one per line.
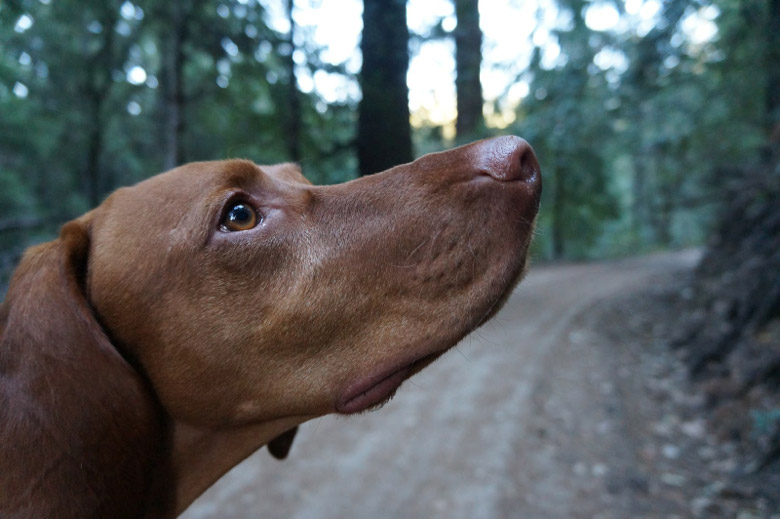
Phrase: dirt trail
pixel 533 416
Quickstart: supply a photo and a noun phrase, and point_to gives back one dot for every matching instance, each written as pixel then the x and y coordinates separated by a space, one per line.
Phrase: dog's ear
pixel 79 426
pixel 280 446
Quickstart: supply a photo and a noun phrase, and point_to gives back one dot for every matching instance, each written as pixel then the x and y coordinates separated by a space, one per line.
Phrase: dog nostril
pixel 509 158
pixel 527 167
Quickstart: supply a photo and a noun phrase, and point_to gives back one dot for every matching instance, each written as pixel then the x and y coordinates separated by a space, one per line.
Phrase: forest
pixel 656 124
pixel 643 113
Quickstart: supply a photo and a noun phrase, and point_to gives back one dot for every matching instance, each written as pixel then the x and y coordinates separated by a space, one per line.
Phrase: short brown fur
pixel 146 351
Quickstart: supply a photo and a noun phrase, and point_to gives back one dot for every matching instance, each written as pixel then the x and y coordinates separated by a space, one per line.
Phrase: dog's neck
pixel 200 455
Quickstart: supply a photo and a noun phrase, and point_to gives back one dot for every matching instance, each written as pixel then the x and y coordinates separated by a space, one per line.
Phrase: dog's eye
pixel 240 217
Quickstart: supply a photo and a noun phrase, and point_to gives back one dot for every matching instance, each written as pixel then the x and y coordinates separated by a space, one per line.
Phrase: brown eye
pixel 240 217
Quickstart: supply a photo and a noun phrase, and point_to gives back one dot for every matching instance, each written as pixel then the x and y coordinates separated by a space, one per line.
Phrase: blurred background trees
pixel 644 113
pixel 383 134
pixel 468 61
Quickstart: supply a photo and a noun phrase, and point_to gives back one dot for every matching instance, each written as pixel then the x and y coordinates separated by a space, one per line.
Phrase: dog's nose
pixel 508 159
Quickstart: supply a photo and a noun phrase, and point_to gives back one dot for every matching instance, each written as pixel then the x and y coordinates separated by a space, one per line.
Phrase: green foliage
pixel 86 100
pixel 71 64
pixel 639 158
pixel 635 156
pixel 765 421
pixel 565 120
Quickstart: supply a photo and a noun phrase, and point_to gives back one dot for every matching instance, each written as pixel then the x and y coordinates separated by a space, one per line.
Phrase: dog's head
pixel 246 294
pixel 246 301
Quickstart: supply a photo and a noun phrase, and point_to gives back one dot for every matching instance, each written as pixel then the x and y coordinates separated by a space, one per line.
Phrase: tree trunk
pixel 773 75
pixel 639 203
pixel 468 59
pixel 558 205
pixel 173 86
pixel 95 149
pixel 97 89
pixel 293 123
pixel 384 137
pixel 666 191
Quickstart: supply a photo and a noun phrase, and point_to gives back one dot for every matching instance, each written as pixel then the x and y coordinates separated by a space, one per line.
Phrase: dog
pixel 207 311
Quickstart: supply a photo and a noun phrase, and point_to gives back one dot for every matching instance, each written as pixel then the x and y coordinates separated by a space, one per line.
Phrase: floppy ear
pixel 78 427
pixel 280 446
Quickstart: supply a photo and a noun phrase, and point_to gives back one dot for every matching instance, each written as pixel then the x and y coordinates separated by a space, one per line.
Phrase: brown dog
pixel 207 311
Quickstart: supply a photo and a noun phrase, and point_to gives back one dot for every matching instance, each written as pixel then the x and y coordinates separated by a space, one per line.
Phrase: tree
pixel 565 120
pixel 384 135
pixel 72 56
pixel 468 59
pixel 773 72
pixel 175 37
pixel 293 116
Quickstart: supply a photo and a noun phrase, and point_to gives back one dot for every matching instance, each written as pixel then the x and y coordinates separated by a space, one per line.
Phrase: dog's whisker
pixel 409 256
pixel 416 249
pixel 474 262
pixel 457 348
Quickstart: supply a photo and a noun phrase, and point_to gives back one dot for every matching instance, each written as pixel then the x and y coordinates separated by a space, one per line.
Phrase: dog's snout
pixel 508 159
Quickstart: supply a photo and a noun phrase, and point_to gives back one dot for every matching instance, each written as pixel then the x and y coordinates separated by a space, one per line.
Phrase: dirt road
pixel 533 416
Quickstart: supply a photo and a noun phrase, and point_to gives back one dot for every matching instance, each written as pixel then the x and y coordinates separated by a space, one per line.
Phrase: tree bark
pixel 97 89
pixel 173 86
pixel 293 123
pixel 773 75
pixel 468 59
pixel 94 151
pixel 384 136
pixel 558 223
